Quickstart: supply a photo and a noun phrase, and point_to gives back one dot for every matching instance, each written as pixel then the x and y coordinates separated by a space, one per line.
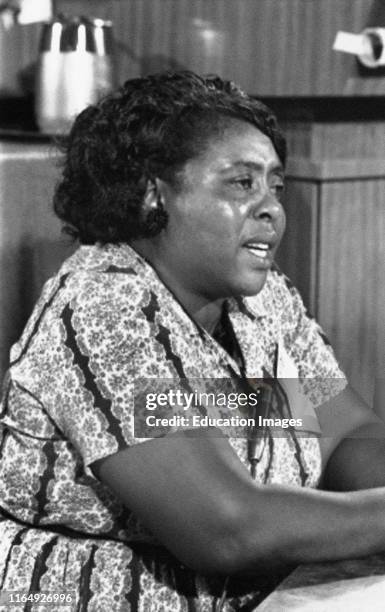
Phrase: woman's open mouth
pixel 259 249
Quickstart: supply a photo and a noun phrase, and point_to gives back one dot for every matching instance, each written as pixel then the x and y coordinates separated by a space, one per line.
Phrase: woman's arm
pixel 200 501
pixel 352 444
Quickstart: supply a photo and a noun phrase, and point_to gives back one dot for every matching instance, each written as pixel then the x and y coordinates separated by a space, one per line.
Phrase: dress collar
pixel 123 258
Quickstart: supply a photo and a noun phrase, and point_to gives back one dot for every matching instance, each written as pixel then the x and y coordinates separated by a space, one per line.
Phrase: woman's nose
pixel 269 208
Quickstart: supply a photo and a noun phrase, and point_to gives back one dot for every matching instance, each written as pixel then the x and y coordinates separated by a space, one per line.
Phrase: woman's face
pixel 226 219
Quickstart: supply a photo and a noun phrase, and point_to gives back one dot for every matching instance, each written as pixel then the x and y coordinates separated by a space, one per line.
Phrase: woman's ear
pixel 154 214
pixel 151 196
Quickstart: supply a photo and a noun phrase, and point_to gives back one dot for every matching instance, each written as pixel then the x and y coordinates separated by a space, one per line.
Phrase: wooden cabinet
pixel 334 251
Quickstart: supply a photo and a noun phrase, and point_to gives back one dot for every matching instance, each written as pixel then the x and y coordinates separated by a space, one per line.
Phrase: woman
pixel 173 186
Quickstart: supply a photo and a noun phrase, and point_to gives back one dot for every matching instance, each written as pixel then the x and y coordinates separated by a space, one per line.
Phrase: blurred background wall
pixel 333 111
pixel 271 47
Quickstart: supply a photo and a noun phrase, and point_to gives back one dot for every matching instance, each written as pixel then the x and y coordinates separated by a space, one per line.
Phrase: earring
pixel 156 219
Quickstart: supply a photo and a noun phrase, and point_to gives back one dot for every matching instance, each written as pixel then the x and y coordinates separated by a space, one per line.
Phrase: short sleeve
pixel 81 365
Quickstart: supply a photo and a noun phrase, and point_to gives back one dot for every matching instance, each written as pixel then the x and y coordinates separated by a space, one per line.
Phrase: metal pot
pixel 75 68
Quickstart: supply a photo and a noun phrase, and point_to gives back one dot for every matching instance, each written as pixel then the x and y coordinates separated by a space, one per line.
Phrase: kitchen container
pixel 75 68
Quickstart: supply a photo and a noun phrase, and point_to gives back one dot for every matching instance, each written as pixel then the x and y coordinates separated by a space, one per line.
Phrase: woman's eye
pixel 278 190
pixel 244 183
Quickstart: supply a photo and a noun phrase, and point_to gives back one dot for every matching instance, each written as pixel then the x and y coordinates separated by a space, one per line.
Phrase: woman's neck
pixel 203 310
pixel 209 315
pixel 206 312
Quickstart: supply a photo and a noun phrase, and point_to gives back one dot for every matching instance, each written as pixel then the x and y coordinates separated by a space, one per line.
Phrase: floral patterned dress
pixel 104 320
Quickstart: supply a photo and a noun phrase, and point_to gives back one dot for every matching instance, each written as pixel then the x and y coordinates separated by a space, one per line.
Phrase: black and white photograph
pixel 192 305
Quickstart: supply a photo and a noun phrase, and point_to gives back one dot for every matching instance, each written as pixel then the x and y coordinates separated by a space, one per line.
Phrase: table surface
pixel 344 586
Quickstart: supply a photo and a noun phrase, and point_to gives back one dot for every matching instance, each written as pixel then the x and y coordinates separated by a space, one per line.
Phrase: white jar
pixel 75 68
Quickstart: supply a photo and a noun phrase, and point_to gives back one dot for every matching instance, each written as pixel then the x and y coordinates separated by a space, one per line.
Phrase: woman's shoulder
pixel 104 273
pixel 95 282
pixel 107 259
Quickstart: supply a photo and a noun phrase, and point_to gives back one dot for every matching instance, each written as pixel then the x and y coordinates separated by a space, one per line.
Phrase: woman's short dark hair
pixel 149 128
